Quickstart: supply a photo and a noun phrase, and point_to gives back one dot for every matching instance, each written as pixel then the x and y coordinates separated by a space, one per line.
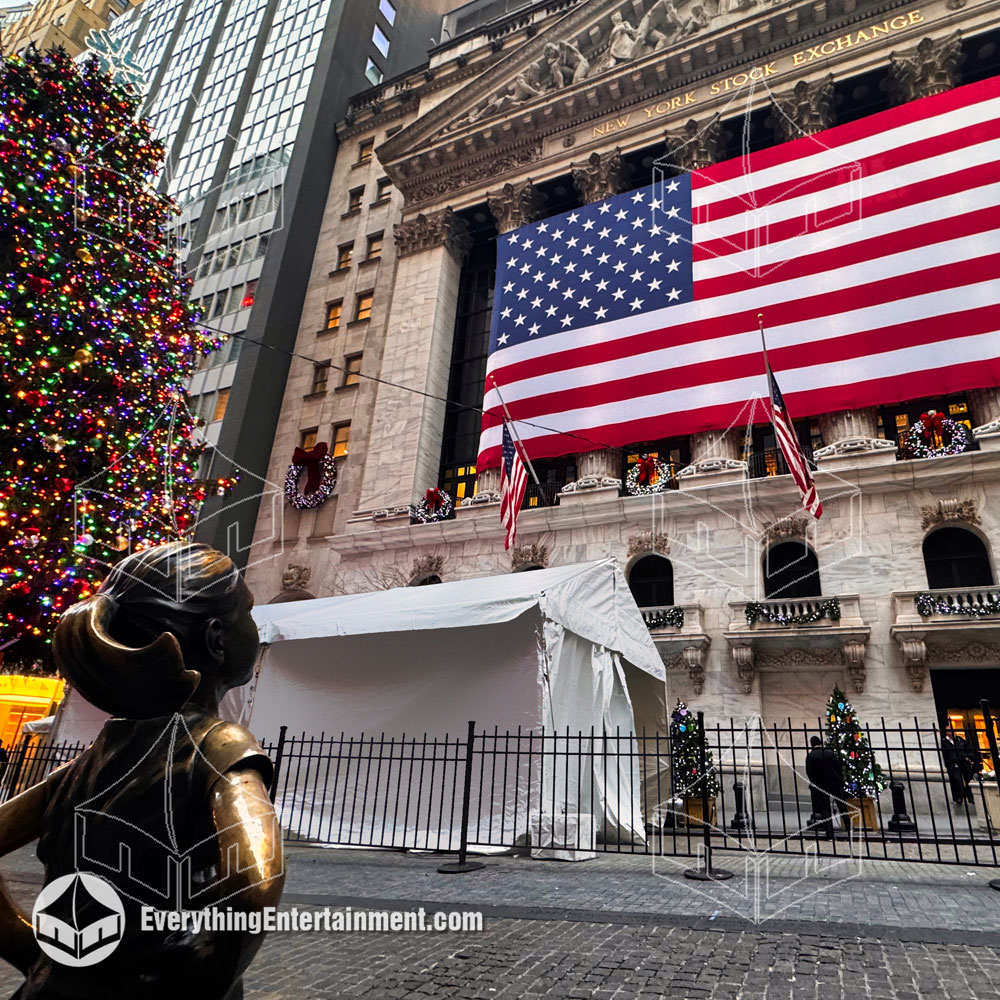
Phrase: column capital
pixel 930 68
pixel 514 205
pixel 804 110
pixel 695 145
pixel 442 228
pixel 600 175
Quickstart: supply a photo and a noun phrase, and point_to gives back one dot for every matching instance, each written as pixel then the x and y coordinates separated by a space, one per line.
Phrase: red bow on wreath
pixel 647 469
pixel 933 424
pixel 433 499
pixel 312 459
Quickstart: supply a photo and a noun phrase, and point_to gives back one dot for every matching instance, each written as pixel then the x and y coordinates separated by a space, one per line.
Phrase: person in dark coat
pixel 826 784
pixel 961 763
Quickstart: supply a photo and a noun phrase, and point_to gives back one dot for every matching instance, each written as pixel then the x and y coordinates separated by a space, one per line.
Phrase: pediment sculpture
pixel 564 63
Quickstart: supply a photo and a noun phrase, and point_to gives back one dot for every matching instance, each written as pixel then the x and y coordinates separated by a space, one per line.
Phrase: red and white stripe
pixel 876 261
pixel 788 441
pixel 512 490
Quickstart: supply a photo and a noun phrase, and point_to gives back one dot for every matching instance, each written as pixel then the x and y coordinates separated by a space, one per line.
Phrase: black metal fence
pixel 552 792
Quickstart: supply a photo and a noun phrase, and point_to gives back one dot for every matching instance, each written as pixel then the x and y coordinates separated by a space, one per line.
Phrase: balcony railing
pixel 541 495
pixel 674 618
pixel 952 606
pixel 795 613
pixel 770 462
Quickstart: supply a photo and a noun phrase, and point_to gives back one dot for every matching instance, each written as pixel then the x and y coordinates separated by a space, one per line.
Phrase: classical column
pixel 851 438
pixel 598 177
pixel 511 206
pixel 804 110
pixel 984 409
pixel 404 447
pixel 694 146
pixel 514 205
pixel 930 68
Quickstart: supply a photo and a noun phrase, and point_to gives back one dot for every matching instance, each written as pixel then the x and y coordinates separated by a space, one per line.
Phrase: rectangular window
pixel 354 197
pixel 374 246
pixel 373 73
pixel 365 148
pixel 246 209
pixel 321 374
pixel 333 313
pixel 249 295
pixel 221 402
pixel 234 255
pixel 387 10
pixel 344 255
pixel 262 244
pixel 364 305
pixel 383 190
pixel 352 369
pixel 307 438
pixel 341 437
pixel 380 41
pixel 220 304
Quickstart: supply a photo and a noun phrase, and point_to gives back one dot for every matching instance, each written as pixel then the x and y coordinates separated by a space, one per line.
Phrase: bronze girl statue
pixel 170 803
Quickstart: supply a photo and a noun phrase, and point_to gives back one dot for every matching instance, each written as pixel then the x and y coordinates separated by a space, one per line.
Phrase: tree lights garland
pixel 928 604
pixel 98 344
pixel 755 612
pixel 860 771
pixel 685 748
pixel 648 475
pixel 436 505
pixel 927 437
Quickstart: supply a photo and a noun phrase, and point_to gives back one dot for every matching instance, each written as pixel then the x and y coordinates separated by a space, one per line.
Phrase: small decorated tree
pixel 685 739
pixel 863 778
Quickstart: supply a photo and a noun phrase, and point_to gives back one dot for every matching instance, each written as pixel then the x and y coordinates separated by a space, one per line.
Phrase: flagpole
pixel 763 342
pixel 517 437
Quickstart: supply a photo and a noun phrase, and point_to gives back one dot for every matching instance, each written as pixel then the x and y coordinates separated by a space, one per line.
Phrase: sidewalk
pixel 616 928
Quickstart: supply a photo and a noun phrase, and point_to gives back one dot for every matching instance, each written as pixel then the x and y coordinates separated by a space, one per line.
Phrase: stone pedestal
pixel 487 489
pixel 984 407
pixel 714 458
pixel 851 440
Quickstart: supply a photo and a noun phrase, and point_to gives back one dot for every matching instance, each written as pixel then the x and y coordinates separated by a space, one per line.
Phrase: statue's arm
pixel 20 824
pixel 250 849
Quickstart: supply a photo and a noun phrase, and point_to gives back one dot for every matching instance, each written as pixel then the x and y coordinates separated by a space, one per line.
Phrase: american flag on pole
pixel 788 441
pixel 513 482
pixel 874 248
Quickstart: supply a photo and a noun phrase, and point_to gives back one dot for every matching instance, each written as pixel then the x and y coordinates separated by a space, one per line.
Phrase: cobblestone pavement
pixel 612 928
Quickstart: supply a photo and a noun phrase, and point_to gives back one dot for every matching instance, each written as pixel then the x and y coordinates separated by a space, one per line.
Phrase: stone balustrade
pixel 681 646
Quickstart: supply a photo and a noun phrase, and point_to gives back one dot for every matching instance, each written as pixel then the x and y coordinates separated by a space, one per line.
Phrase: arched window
pixel 651 581
pixel 955 557
pixel 791 570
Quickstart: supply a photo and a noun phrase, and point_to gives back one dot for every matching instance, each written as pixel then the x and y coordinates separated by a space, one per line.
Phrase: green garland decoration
pixel 755 612
pixel 928 604
pixel 667 618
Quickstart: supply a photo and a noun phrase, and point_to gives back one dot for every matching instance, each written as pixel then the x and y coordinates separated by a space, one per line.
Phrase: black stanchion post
pixel 463 865
pixel 15 775
pixel 741 820
pixel 278 754
pixel 707 873
pixel 991 737
pixel 900 822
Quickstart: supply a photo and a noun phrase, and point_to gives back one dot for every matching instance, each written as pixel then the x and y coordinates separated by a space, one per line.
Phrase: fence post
pixel 707 873
pixel 991 737
pixel 278 754
pixel 462 865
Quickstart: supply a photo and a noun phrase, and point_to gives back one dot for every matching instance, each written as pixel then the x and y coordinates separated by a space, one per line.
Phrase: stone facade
pixel 569 91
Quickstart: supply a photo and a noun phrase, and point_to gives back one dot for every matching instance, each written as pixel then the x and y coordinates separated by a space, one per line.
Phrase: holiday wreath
pixel 321 477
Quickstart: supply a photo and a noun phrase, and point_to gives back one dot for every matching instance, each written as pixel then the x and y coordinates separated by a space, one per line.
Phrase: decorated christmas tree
pixel 862 775
pixel 97 445
pixel 685 741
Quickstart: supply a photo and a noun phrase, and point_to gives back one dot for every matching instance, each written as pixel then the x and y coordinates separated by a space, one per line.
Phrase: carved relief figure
pixel 566 63
pixel 657 29
pixel 699 19
pixel 525 86
pixel 622 39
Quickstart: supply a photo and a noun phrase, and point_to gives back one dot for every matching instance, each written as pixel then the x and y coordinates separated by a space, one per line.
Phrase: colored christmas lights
pixel 98 344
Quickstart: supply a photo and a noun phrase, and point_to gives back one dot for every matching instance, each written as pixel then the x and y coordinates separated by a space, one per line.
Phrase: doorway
pixel 957 694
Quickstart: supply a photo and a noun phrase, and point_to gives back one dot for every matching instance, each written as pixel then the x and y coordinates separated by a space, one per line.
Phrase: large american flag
pixel 788 441
pixel 873 248
pixel 513 482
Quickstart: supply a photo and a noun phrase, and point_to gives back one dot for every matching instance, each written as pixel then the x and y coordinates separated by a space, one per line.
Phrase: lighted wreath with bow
pixel 647 475
pixel 935 435
pixel 321 476
pixel 436 505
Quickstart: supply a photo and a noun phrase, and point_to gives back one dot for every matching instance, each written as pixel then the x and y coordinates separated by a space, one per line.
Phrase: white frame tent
pixel 560 651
